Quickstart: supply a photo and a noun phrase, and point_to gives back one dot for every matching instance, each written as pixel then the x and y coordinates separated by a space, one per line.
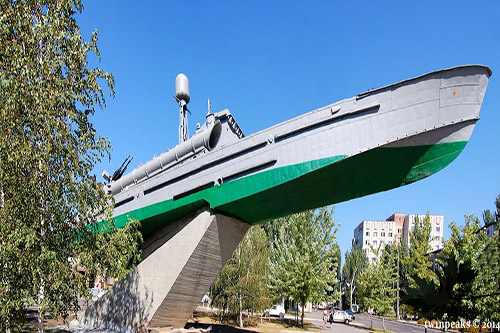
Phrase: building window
pixel 382 234
pixel 374 242
pixel 366 242
pixel 390 234
pixel 438 229
pixel 368 233
pixel 375 234
pixel 389 242
pixel 382 243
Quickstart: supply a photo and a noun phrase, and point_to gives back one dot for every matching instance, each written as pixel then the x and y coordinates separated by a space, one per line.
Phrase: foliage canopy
pixel 48 147
pixel 242 283
pixel 304 257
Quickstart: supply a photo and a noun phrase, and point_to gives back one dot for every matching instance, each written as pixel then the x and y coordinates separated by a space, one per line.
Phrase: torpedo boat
pixel 375 141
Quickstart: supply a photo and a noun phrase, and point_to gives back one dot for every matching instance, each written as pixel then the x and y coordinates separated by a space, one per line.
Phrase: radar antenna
pixel 182 97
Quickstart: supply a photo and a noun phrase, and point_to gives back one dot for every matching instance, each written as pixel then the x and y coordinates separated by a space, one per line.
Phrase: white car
pixel 341 317
pixel 276 311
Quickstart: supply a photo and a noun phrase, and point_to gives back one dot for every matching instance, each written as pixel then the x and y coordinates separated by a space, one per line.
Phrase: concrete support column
pixel 180 263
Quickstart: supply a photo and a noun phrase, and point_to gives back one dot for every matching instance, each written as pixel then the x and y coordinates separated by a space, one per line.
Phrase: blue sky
pixel 268 61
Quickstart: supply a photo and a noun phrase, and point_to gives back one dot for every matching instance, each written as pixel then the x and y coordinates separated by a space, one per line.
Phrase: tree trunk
pixel 352 293
pixel 241 312
pixel 302 314
pixel 397 299
pixel 352 287
pixel 40 319
pixel 42 234
pixel 383 323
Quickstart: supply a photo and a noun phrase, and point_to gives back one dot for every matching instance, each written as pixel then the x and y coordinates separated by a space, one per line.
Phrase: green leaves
pixel 304 257
pixel 48 148
pixel 355 264
pixel 463 280
pixel 378 283
pixel 241 284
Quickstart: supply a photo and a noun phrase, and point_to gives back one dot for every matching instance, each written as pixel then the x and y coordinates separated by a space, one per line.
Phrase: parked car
pixel 341 317
pixel 275 311
pixel 350 313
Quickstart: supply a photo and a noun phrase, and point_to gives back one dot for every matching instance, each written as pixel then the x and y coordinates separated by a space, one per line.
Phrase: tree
pixel 338 259
pixel 355 263
pixel 454 271
pixel 467 271
pixel 242 282
pixel 487 283
pixel 378 282
pixel 49 201
pixel 418 260
pixel 303 263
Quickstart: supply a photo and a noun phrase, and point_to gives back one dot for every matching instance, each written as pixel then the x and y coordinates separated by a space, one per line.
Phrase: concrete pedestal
pixel 180 263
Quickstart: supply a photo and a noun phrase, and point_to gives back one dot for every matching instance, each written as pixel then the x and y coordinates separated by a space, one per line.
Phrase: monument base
pixel 180 263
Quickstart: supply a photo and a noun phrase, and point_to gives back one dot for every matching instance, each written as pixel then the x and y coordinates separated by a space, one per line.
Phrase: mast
pixel 182 97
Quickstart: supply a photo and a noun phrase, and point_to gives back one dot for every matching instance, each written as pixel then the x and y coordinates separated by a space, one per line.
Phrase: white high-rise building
pixel 372 234
pixel 437 226
pixel 375 233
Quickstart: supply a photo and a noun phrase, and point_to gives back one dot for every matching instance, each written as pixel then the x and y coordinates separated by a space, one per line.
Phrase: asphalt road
pixel 316 317
pixel 363 322
pixel 390 325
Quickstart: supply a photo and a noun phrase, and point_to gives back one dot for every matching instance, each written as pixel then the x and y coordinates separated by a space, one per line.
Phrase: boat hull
pixel 376 141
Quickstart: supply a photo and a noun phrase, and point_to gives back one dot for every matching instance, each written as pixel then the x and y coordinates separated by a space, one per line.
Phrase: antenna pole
pixel 183 122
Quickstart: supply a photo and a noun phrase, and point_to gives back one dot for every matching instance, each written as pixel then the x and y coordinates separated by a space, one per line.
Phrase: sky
pixel 269 61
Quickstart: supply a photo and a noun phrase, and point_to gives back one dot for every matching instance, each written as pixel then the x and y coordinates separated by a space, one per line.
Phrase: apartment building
pixel 370 234
pixel 437 226
pixel 375 234
pixel 399 220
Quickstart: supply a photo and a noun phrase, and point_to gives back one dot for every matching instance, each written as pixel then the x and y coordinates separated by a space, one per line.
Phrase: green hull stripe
pixel 293 188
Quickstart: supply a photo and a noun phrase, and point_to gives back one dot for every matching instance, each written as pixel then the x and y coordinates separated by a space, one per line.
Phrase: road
pixel 363 322
pixel 390 325
pixel 315 317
